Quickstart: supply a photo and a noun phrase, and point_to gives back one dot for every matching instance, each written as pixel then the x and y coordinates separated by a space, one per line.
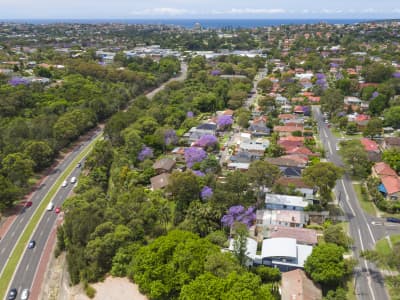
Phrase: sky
pixel 192 9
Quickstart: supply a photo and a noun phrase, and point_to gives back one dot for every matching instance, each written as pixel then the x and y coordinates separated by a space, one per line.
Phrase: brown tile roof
pixel 292 138
pixel 286 116
pixel 284 162
pixel 392 141
pixel 301 150
pixel 297 286
pixel 159 181
pixel 302 235
pixel 164 164
pixel 296 181
pixel 301 159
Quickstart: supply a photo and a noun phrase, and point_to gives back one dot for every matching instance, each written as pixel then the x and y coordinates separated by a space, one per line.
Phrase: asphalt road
pixel 8 241
pixel 26 270
pixel 368 279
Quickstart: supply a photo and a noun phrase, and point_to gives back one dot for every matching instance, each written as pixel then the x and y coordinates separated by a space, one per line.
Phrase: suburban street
pixel 368 279
pixel 27 267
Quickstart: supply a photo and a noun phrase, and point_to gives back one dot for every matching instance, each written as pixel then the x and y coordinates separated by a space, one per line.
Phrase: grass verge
pixel 366 205
pixel 350 295
pixel 20 247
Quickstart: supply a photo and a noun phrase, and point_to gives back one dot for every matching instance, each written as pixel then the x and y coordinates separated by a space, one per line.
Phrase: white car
pixel 24 294
pixel 65 183
pixel 73 179
pixel 50 206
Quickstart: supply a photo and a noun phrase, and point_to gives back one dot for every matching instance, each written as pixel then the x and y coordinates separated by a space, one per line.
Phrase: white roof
pixel 243 166
pixel 279 247
pixel 285 200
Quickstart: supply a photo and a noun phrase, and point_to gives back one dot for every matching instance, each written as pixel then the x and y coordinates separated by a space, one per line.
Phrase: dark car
pixel 393 220
pixel 79 165
pixel 12 294
pixel 31 244
pixel 28 203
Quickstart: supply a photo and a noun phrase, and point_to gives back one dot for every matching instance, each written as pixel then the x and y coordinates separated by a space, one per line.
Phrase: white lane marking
pixel 329 146
pixel 347 197
pixel 361 241
pixel 48 219
pixel 20 221
pixel 326 136
pixel 27 268
pixel 370 232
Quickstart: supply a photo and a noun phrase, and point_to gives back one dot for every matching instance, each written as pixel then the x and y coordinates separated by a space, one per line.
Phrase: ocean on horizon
pixel 189 23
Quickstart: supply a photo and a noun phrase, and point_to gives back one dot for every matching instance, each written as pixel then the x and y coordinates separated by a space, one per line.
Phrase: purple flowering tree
pixel 206 141
pixel 239 214
pixel 170 137
pixel 145 153
pixel 224 121
pixel 215 72
pixel 189 114
pixel 396 75
pixel 194 155
pixel 198 173
pixel 14 81
pixel 374 95
pixel 206 193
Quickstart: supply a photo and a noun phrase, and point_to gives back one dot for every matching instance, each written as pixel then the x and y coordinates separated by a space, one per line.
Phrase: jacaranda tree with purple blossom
pixel 239 214
pixel 206 193
pixel 17 81
pixel 194 155
pixel 189 114
pixel 145 153
pixel 207 141
pixel 224 121
pixel 170 137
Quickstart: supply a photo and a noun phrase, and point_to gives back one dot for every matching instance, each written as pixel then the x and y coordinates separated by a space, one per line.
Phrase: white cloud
pixel 161 11
pixel 253 11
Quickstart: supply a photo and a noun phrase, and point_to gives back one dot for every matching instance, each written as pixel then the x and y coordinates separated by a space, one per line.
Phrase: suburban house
pixel 297 286
pixel 238 166
pixel 243 157
pixel 288 167
pixel 283 253
pixel 255 147
pixel 259 130
pixel 288 218
pixel 372 149
pixel 287 130
pixel 390 181
pixel 160 181
pixel 195 133
pixel 164 165
pixel 302 235
pixel 285 202
pixel 298 185
pixel 391 142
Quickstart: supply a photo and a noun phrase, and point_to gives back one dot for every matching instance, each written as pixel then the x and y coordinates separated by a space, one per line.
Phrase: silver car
pixel 25 294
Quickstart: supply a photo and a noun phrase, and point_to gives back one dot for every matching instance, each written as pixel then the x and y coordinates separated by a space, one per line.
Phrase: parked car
pixel 12 294
pixel 65 183
pixel 57 210
pixel 28 203
pixel 31 245
pixel 73 179
pixel 79 165
pixel 24 294
pixel 393 220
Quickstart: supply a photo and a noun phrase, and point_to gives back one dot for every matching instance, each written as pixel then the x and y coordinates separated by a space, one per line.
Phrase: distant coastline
pixel 189 23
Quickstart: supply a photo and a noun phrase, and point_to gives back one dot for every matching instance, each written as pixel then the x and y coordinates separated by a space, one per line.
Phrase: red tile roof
pixel 391 183
pixel 383 169
pixel 292 138
pixel 301 150
pixel 369 145
pixel 362 117
pixel 297 286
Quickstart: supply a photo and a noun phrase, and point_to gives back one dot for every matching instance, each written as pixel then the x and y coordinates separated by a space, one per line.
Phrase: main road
pixel 369 282
pixel 26 270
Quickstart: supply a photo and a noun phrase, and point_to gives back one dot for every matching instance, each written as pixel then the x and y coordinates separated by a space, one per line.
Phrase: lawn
pixel 20 247
pixel 366 205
